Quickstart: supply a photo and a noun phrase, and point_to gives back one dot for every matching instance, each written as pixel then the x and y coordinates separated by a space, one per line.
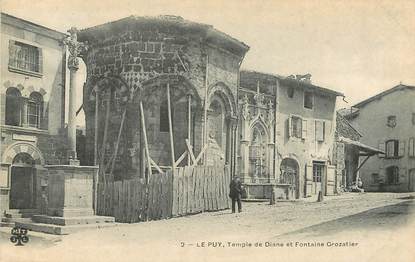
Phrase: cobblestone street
pixel 370 220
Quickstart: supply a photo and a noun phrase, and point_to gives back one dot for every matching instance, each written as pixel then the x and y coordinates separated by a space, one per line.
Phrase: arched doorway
pixel 289 175
pixel 22 187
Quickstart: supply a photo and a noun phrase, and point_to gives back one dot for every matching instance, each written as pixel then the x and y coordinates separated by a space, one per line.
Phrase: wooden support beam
pixel 360 166
pixel 190 150
pixel 200 155
pixel 156 166
pixel 104 141
pixel 189 122
pixel 118 141
pixel 181 158
pixel 143 125
pixel 170 128
pixel 96 126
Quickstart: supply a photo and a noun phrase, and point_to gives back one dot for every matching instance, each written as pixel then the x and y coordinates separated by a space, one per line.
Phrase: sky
pixel 359 48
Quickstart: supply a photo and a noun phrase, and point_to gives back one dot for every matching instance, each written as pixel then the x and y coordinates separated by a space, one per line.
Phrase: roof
pixel 348 124
pixel 361 146
pixel 382 94
pixel 289 81
pixel 208 32
pixel 28 25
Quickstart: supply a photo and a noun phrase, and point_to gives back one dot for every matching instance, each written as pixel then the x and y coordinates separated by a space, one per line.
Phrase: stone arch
pixel 259 121
pixel 222 90
pixel 26 91
pixel 23 147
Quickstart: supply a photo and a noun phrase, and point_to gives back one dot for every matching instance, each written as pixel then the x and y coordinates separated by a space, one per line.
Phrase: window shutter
pixel 304 129
pixel 382 148
pixel 290 127
pixel 411 147
pixel 323 130
pixel 401 148
pixel 319 131
pixel 40 60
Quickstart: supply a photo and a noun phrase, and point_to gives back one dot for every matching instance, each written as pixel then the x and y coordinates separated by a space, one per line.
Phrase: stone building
pixel 387 120
pixel 33 68
pixel 347 152
pixel 287 128
pixel 151 62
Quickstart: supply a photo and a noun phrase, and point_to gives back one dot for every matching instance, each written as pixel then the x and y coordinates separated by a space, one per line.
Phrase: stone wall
pixel 146 58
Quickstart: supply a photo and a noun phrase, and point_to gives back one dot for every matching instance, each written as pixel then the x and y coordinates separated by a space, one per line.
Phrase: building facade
pixel 154 62
pixel 387 121
pixel 32 91
pixel 287 128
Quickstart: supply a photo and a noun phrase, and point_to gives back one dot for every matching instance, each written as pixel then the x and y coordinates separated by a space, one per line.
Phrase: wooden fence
pixel 187 190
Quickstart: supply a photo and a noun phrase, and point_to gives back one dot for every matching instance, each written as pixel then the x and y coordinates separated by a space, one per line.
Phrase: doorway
pixel 318 176
pixel 22 187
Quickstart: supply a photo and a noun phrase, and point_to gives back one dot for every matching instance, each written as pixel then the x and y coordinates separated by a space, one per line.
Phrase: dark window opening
pixel 13 106
pixel 290 92
pixel 308 100
pixel 164 117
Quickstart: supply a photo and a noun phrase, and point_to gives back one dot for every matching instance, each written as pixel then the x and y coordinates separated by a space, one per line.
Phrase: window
pixel 320 130
pixel 391 121
pixel 392 148
pixel 34 109
pixel 392 175
pixel 21 111
pixel 375 178
pixel 290 92
pixel 413 119
pixel 13 106
pixel 25 57
pixel 297 127
pixel 318 169
pixel 308 100
pixel 164 117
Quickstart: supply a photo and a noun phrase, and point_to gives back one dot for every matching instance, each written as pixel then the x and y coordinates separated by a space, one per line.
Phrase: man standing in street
pixel 235 193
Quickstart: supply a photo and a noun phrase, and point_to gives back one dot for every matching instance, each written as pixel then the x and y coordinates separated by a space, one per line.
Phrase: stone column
pixel 74 48
pixel 73 159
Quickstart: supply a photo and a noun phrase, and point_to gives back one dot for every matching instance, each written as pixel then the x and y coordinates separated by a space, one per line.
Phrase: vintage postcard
pixel 275 130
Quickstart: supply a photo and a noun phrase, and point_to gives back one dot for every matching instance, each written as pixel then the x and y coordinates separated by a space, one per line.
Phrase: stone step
pixel 21 213
pixel 6 224
pixel 68 221
pixel 62 230
pixel 13 220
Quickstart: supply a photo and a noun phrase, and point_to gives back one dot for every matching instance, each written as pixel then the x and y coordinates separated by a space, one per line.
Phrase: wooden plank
pixel 190 151
pixel 194 196
pixel 215 190
pixel 171 194
pixel 180 191
pixel 185 190
pixel 175 191
pixel 205 189
pixel 173 162
pixel 191 191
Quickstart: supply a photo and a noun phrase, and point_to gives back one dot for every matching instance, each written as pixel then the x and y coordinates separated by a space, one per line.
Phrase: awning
pixel 368 150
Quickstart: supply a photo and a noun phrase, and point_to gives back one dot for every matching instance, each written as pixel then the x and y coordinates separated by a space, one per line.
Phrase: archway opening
pixel 22 187
pixel 289 175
